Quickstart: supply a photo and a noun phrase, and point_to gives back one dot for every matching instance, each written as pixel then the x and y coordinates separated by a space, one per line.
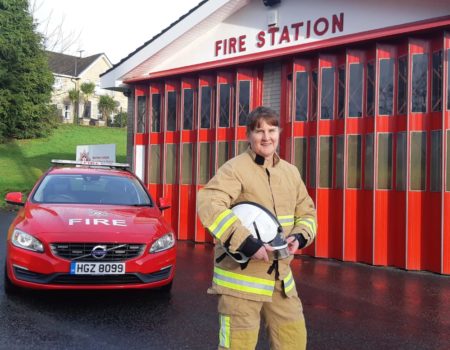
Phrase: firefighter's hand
pixel 292 244
pixel 262 253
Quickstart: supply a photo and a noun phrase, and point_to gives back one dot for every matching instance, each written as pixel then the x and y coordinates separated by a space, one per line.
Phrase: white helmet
pixel 263 225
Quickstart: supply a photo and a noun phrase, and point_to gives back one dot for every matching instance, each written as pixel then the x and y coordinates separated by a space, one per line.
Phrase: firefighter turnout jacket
pixel 277 187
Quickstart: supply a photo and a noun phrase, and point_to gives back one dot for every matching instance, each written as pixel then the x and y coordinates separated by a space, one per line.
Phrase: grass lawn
pixel 23 161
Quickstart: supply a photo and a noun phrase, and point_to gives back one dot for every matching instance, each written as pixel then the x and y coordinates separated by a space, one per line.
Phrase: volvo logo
pixel 99 252
pixel 93 212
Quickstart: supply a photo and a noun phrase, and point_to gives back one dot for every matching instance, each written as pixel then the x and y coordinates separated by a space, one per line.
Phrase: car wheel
pixel 8 286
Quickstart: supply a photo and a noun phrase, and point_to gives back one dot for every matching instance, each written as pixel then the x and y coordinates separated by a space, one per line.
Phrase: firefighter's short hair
pixel 259 114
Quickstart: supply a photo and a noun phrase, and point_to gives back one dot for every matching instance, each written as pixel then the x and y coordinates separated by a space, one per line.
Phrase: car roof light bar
pixel 90 163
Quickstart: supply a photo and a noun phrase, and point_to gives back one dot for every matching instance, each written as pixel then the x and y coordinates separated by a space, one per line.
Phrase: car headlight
pixel 165 242
pixel 24 240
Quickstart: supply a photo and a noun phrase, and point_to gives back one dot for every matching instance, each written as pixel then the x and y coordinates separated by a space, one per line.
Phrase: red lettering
pixel 225 47
pixel 242 43
pixel 337 23
pixel 232 46
pixel 296 27
pixel 218 46
pixel 261 39
pixel 308 29
pixel 325 26
pixel 284 35
pixel 272 31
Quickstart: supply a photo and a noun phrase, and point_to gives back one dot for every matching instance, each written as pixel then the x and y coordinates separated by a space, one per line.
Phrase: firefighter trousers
pixel 240 321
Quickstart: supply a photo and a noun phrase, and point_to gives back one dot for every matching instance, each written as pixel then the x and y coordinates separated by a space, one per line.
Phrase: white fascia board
pixel 113 79
pixel 63 76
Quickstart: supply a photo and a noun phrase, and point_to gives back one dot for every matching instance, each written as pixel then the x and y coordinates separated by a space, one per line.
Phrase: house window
pixel 224 105
pixel 327 94
pixel 385 161
pixel 402 80
pixel 171 164
pixel 314 95
pixel 418 160
pixel 368 163
pixel 171 111
pixel 155 164
pixel 356 90
pixel 205 163
pixel 186 166
pixel 242 146
pixel 244 101
pixel 301 96
pixel 386 89
pixel 58 83
pixel 66 112
pixel 400 166
pixel 300 156
pixel 205 107
pixel 354 161
pixel 436 98
pixel 341 92
pixel 156 112
pixel 188 109
pixel 312 162
pixel 222 156
pixel 326 162
pixel 419 82
pixel 87 110
pixel 436 161
pixel 340 161
pixel 141 112
pixel 370 89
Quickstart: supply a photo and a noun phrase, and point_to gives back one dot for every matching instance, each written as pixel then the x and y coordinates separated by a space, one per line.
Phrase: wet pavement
pixel 347 306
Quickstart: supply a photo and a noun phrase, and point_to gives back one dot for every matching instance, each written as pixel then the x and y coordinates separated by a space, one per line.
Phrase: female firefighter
pixel 264 286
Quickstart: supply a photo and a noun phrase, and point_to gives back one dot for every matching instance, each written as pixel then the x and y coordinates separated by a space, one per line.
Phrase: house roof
pixel 69 65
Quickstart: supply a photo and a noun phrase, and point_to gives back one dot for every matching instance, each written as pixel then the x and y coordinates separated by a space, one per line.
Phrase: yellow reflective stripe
pixel 243 283
pixel 310 223
pixel 289 282
pixel 286 220
pixel 222 223
pixel 224 335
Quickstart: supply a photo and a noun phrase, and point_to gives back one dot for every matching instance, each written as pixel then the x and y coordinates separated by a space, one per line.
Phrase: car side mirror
pixel 164 203
pixel 14 198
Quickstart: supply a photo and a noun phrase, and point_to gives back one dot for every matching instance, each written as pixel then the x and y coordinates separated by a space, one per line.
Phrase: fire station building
pixel 363 93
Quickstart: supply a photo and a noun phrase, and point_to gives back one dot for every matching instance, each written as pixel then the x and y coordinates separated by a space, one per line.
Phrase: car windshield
pixel 91 189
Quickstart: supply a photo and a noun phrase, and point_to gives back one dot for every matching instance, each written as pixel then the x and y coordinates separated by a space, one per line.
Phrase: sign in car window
pixel 97 153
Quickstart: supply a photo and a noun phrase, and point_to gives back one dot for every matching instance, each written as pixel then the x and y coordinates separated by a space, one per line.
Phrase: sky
pixel 113 27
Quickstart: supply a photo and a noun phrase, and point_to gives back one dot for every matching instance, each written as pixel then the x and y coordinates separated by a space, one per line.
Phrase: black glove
pixel 301 240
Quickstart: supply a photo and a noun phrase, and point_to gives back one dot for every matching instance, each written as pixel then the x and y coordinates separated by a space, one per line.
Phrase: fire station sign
pixel 96 153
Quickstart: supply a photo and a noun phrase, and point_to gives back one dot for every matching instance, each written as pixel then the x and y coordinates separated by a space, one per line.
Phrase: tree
pixel 57 37
pixel 88 89
pixel 74 97
pixel 120 120
pixel 106 106
pixel 25 78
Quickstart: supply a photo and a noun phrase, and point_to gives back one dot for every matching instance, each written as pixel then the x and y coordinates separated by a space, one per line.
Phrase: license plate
pixel 97 268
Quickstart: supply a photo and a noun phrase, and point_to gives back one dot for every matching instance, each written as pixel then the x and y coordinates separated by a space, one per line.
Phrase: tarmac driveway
pixel 347 306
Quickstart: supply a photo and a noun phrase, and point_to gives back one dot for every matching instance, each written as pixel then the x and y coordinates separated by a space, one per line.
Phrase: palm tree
pixel 74 97
pixel 88 89
pixel 106 106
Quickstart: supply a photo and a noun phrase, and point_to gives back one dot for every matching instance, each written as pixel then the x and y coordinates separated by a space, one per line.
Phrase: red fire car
pixel 89 227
